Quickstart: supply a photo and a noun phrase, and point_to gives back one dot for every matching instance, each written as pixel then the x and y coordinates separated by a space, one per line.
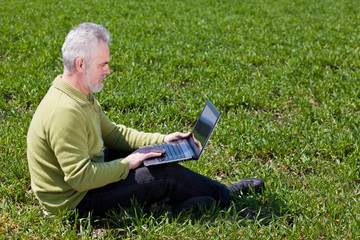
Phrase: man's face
pixel 99 68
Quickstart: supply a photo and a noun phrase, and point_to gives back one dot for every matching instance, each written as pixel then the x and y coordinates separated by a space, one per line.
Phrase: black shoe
pixel 247 186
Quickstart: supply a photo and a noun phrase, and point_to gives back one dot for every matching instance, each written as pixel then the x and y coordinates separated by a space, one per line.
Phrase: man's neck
pixel 75 79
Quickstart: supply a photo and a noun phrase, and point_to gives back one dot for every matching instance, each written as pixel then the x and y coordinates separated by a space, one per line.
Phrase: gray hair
pixel 82 41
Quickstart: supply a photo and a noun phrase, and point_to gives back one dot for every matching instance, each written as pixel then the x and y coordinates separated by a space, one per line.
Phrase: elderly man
pixel 75 153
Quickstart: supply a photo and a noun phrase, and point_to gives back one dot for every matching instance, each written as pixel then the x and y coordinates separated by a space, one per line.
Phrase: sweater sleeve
pixel 126 139
pixel 68 137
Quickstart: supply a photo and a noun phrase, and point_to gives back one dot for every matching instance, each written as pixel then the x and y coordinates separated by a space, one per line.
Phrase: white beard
pixel 93 88
pixel 96 88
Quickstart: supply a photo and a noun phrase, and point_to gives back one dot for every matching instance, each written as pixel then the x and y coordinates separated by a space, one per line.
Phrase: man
pixel 69 167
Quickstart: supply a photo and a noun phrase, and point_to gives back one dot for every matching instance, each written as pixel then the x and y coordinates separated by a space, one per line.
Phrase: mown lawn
pixel 284 75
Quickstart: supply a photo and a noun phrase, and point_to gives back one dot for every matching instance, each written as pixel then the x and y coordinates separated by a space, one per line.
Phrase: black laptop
pixel 192 147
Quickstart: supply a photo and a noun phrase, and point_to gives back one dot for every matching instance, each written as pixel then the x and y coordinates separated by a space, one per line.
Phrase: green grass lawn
pixel 284 75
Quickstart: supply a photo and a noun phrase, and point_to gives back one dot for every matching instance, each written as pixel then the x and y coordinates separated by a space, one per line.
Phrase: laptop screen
pixel 204 126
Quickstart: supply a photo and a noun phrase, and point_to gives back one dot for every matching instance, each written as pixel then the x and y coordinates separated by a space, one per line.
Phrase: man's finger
pixel 151 149
pixel 153 154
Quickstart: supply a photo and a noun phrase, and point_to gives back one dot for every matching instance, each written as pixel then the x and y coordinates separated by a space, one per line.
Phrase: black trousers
pixel 150 185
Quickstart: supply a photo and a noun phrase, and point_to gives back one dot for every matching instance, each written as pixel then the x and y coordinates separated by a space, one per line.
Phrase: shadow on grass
pixel 259 208
pixel 262 208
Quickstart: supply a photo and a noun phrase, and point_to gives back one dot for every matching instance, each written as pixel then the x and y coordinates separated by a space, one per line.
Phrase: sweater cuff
pixel 125 163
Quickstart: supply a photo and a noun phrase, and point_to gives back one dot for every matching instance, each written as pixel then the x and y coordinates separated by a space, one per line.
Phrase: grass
pixel 284 74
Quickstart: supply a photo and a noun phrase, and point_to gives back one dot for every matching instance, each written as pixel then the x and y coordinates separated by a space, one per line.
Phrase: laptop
pixel 192 147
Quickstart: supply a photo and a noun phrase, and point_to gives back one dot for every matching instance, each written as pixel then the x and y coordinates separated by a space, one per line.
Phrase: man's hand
pixel 137 157
pixel 175 136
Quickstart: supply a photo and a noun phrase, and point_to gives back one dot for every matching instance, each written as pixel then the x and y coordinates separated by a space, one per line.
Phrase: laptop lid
pixel 203 128
pixel 193 146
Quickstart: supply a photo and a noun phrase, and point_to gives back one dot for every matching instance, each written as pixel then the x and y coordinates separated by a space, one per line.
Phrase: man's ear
pixel 80 65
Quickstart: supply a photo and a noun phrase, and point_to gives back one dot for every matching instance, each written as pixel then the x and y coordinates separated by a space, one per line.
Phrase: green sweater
pixel 64 147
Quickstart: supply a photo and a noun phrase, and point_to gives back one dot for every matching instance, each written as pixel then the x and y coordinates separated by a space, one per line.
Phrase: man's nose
pixel 107 70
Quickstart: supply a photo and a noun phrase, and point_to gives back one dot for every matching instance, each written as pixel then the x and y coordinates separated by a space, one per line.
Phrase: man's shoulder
pixel 57 104
pixel 56 98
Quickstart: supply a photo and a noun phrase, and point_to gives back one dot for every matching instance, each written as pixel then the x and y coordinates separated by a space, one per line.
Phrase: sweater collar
pixel 72 92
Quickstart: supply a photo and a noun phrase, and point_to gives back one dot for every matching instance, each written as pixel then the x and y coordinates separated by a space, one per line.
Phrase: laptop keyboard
pixel 172 151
